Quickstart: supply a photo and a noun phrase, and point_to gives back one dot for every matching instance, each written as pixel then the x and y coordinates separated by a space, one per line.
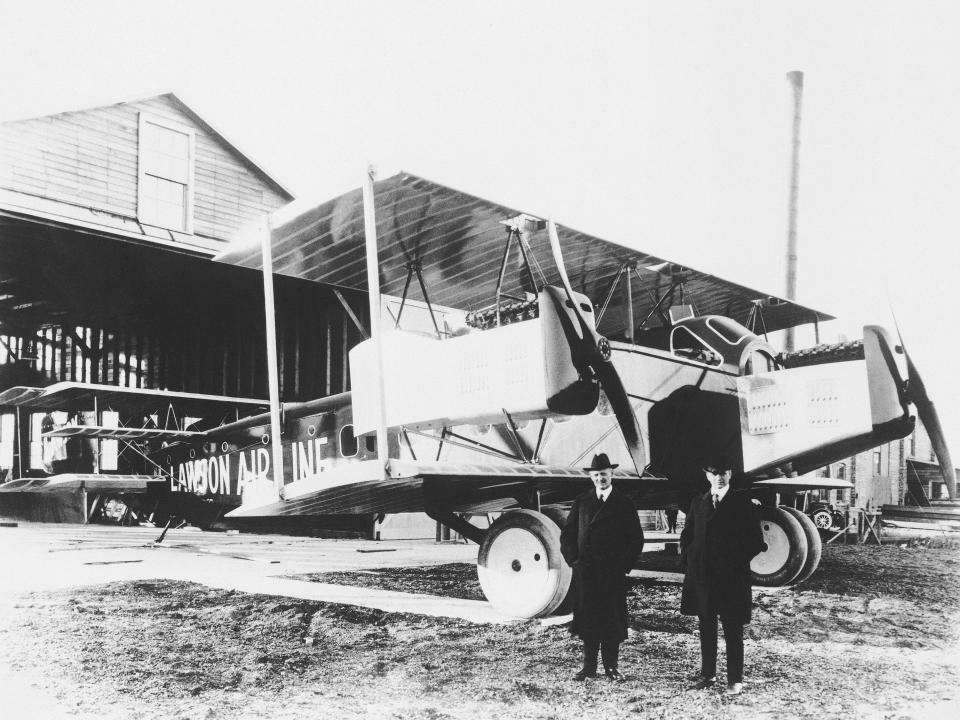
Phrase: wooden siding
pixel 89 158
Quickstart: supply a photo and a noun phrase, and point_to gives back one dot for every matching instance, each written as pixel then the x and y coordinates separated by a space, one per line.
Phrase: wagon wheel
pixel 520 568
pixel 823 519
pixel 786 552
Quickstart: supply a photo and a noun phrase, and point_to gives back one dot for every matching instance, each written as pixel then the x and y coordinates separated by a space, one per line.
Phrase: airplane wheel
pixel 521 570
pixel 814 545
pixel 786 551
pixel 557 514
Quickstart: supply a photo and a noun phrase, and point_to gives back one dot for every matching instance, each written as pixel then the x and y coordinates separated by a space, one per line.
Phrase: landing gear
pixel 814 545
pixel 521 570
pixel 793 548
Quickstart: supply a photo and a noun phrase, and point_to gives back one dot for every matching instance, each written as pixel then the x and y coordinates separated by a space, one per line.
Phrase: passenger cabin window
pixel 165 175
pixel 370 441
pixel 348 442
pixel 685 344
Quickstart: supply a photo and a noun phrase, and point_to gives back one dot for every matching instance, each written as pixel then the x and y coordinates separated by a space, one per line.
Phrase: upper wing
pixel 458 241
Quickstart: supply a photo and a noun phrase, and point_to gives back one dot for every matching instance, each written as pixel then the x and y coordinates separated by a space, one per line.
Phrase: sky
pixel 661 126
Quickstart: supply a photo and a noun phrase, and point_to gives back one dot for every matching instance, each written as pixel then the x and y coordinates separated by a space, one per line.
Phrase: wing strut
pixel 272 373
pixel 373 291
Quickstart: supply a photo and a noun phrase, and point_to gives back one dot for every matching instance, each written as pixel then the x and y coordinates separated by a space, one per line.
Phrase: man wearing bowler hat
pixel 600 540
pixel 720 537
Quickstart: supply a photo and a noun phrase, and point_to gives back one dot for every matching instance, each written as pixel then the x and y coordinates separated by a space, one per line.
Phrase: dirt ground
pixel 874 633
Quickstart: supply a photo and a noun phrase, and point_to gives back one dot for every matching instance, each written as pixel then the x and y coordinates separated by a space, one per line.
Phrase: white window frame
pixel 142 171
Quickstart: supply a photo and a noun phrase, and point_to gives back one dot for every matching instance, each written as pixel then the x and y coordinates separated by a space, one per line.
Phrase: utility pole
pixel 795 77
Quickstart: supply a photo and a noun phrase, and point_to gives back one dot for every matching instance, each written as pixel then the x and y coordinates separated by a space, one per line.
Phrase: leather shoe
pixel 705 683
pixel 734 689
pixel 614 675
pixel 584 674
pixel 698 676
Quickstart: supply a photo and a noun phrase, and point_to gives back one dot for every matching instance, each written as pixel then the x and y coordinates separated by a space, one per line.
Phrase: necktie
pixel 716 499
pixel 600 499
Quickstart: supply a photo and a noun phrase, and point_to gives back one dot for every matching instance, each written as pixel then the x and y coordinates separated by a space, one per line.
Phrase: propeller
pixel 591 355
pixel 917 394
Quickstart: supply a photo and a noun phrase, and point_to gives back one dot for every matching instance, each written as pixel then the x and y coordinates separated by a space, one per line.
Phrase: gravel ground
pixel 874 633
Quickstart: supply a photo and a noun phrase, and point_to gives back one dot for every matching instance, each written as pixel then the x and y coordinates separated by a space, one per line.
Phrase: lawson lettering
pixel 229 474
pixel 218 475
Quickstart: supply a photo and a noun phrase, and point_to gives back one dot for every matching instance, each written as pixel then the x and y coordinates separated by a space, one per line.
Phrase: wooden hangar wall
pixel 108 218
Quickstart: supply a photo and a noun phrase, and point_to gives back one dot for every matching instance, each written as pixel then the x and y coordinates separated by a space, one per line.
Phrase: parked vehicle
pixel 825 516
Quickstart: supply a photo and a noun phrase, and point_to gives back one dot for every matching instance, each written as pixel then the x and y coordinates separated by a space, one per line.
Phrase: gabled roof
pixel 242 156
pixel 459 239
pixel 245 158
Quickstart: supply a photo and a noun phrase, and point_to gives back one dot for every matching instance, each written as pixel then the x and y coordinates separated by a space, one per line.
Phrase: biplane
pixel 516 349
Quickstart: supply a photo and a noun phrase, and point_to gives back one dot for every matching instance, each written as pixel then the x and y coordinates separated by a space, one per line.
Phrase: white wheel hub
pixel 519 565
pixel 777 552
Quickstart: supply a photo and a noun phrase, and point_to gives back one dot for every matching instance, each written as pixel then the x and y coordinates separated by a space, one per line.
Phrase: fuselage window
pixel 348 442
pixel 370 441
pixel 685 344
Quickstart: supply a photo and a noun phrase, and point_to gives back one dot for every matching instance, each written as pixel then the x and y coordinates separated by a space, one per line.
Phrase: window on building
pixel 165 188
pixel 877 463
pixel 842 471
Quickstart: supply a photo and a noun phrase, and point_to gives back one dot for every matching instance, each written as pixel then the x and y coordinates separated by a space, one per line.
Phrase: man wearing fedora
pixel 720 537
pixel 600 540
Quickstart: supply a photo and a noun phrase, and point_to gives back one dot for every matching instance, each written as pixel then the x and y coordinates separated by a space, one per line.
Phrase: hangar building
pixel 108 218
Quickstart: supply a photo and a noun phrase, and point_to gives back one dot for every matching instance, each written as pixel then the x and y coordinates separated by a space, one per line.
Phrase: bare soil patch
pixel 872 634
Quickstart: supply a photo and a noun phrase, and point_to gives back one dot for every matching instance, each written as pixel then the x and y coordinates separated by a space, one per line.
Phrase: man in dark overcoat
pixel 720 537
pixel 600 541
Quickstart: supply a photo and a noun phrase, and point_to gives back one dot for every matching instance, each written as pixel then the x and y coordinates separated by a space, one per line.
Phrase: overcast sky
pixel 664 126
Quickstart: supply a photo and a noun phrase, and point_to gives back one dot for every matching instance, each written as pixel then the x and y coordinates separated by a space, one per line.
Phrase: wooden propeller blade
pixel 601 365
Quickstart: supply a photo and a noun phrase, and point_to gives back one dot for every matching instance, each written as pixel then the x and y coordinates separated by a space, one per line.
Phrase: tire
pixel 814 545
pixel 786 552
pixel 520 568
pixel 823 519
pixel 557 514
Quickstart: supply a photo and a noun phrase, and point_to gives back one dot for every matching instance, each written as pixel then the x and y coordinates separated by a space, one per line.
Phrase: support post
pixel 273 380
pixel 796 83
pixel 373 292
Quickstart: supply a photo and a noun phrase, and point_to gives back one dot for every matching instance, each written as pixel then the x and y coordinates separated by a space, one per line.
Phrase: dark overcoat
pixel 600 543
pixel 716 547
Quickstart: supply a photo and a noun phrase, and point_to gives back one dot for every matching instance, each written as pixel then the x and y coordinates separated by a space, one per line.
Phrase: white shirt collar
pixel 604 494
pixel 722 491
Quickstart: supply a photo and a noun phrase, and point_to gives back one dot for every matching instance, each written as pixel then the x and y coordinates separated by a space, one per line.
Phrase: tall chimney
pixel 796 83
